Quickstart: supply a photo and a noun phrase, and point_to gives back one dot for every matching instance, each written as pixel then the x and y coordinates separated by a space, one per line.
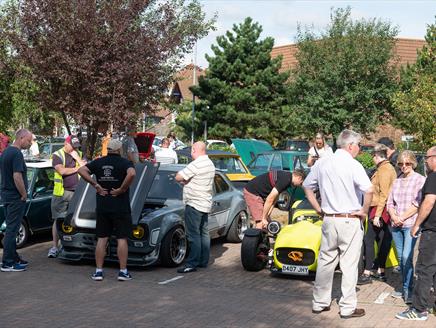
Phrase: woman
pixel 319 150
pixel 402 205
pixel 378 223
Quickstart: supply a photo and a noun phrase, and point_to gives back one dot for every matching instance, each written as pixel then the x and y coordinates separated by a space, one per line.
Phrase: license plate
pixel 295 269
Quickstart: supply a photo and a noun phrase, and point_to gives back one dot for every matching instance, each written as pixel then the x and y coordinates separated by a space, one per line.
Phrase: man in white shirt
pixel 197 179
pixel 342 181
pixel 165 155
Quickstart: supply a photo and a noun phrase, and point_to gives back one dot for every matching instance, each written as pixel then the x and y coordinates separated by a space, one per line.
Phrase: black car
pixel 37 217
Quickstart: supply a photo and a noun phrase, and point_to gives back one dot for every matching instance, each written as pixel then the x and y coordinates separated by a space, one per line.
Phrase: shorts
pixel 59 205
pixel 110 223
pixel 255 205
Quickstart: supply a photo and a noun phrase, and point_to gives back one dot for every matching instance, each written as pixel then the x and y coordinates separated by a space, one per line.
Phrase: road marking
pixel 169 280
pixel 381 298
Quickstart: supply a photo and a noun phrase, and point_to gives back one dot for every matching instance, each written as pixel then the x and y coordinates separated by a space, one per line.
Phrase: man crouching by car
pixel 262 192
pixel 114 175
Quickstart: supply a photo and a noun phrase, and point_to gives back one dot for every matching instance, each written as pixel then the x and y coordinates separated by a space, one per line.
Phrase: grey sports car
pixel 158 229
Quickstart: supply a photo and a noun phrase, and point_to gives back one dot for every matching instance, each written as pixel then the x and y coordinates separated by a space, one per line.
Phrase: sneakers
pixel 22 262
pixel 379 276
pixel 364 279
pixel 186 269
pixel 53 252
pixel 396 269
pixel 16 267
pixel 412 314
pixel 124 276
pixel 97 276
pixel 396 294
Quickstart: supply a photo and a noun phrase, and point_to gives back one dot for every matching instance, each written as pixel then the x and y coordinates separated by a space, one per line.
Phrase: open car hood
pixel 249 148
pixel 144 142
pixel 82 213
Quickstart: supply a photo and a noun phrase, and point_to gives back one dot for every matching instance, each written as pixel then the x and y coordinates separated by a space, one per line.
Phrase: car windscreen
pixel 261 162
pixel 228 165
pixel 165 186
pixel 297 145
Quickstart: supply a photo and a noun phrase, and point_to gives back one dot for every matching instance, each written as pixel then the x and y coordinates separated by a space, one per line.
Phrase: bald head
pixel 23 139
pixel 198 149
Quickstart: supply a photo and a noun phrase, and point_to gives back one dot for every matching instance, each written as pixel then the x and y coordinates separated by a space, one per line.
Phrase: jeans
pixel 425 271
pixel 14 212
pixel 197 233
pixel 404 244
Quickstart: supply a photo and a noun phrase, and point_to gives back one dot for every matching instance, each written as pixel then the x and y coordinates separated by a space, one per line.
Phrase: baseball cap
pixel 386 141
pixel 73 141
pixel 114 145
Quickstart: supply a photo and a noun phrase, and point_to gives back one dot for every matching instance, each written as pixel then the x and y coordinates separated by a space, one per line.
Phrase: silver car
pixel 158 228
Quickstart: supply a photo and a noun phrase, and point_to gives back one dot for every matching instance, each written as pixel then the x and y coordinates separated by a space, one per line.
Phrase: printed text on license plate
pixel 295 269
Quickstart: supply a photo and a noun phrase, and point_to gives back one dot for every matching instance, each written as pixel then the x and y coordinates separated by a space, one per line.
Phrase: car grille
pixel 295 256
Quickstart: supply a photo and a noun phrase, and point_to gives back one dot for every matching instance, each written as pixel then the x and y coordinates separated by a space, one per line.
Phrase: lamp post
pixel 194 82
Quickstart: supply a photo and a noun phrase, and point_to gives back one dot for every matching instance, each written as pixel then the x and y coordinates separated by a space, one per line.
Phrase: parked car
pixel 294 144
pixel 216 144
pixel 296 245
pixel 158 228
pixel 37 216
pixel 47 149
pixel 228 163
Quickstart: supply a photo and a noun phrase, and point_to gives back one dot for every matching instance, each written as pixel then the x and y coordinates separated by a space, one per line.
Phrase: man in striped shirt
pixel 197 179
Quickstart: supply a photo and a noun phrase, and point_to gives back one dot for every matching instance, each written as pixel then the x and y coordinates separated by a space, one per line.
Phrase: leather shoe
pixel 356 314
pixel 325 309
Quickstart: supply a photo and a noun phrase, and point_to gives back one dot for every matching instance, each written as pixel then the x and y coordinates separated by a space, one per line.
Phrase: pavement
pixel 52 293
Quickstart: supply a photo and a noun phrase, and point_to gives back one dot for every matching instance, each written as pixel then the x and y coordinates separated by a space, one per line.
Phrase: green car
pixel 261 158
pixel 37 217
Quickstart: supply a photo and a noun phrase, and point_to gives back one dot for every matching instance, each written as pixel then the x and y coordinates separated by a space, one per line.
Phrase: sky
pixel 279 19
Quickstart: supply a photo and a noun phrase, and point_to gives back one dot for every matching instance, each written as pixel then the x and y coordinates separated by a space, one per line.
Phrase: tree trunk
pixel 67 125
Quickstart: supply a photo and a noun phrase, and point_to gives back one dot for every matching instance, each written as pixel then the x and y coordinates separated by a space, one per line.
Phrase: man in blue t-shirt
pixel 13 190
pixel 113 176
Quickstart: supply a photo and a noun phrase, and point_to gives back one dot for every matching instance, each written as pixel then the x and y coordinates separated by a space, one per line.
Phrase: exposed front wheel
pixel 174 247
pixel 239 225
pixel 284 201
pixel 254 252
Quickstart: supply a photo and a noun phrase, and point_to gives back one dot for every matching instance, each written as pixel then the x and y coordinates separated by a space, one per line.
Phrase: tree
pixel 415 104
pixel 346 76
pixel 102 62
pixel 243 94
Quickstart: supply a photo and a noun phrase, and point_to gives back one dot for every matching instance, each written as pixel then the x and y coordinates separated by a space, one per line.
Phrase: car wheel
pixel 254 253
pixel 284 201
pixel 174 247
pixel 23 234
pixel 239 225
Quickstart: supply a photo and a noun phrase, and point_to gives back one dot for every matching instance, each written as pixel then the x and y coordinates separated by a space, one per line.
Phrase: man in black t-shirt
pixel 262 192
pixel 114 175
pixel 13 190
pixel 426 263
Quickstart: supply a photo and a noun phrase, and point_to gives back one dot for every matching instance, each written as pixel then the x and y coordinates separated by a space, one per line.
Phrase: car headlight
pixel 274 227
pixel 138 232
pixel 66 228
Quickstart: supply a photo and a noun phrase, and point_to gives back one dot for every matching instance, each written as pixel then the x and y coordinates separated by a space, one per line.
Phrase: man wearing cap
pixel 114 175
pixel 66 162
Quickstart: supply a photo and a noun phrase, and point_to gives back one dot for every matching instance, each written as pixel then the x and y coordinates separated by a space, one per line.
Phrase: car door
pixel 39 212
pixel 221 202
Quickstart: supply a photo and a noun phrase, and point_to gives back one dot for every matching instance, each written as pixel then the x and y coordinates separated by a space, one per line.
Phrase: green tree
pixel 345 76
pixel 243 94
pixel 415 104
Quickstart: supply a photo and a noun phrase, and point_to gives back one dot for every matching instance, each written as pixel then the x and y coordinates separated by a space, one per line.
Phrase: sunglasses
pixel 429 156
pixel 404 164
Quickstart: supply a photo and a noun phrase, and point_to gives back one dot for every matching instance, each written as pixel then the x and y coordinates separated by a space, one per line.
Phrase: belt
pixel 343 215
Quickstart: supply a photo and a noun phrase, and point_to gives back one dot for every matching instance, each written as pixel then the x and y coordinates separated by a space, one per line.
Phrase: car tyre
pixel 23 234
pixel 239 225
pixel 284 201
pixel 254 254
pixel 174 247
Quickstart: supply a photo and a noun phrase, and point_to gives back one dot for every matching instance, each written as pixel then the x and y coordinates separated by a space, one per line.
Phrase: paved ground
pixel 55 294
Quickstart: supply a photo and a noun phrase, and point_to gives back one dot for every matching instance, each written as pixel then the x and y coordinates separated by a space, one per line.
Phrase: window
pixel 220 185
pixel 276 162
pixel 44 180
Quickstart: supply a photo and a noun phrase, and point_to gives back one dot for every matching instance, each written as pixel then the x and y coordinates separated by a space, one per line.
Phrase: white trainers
pixel 53 252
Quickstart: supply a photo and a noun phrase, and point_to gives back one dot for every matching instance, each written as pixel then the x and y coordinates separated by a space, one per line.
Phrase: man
pixel 341 181
pixel 13 189
pixel 130 149
pixel 197 179
pixel 114 175
pixel 426 263
pixel 165 155
pixel 319 149
pixel 174 142
pixel 262 192
pixel 66 162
